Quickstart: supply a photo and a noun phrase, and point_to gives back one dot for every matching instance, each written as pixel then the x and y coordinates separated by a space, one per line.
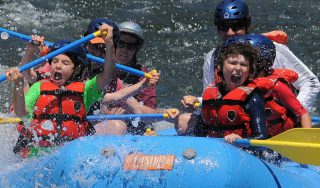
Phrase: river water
pixel 177 33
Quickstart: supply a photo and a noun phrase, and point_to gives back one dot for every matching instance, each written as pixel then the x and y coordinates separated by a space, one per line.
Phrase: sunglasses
pixel 235 26
pixel 101 48
pixel 129 46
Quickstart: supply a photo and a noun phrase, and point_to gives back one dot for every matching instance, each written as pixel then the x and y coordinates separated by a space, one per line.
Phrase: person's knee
pixel 111 127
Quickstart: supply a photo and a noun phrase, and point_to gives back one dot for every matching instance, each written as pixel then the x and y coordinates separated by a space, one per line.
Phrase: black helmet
pixel 78 55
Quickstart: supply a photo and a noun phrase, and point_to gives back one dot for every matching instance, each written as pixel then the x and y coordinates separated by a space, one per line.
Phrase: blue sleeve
pixel 255 108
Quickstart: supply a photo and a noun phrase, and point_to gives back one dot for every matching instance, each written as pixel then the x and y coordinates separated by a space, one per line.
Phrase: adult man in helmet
pixel 232 17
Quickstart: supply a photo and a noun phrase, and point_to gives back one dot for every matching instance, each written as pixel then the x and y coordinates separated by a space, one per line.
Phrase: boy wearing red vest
pixel 233 108
pixel 283 109
pixel 58 106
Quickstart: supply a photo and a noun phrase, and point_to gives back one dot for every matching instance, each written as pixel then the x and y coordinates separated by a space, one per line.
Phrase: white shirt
pixel 307 83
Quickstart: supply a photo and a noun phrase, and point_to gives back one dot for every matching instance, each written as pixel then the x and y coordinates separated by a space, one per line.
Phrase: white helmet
pixel 132 28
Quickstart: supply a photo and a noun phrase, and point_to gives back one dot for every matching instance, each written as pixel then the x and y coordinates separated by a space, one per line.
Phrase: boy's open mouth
pixel 57 76
pixel 235 78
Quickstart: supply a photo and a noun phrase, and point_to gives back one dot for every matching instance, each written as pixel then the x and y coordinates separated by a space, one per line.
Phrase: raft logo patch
pixel 77 106
pixel 140 161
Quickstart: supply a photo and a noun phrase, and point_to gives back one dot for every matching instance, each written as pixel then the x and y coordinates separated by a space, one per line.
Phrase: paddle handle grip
pixel 126 116
pixel 91 57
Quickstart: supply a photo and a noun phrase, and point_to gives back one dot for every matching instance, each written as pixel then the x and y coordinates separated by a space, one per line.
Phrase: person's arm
pixel 208 69
pixel 255 108
pixel 131 90
pixel 104 78
pixel 29 75
pixel 306 120
pixel 288 99
pixel 136 108
pixel 307 83
pixel 18 94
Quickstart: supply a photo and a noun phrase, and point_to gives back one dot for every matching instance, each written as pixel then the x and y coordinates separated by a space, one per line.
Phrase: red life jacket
pixel 59 113
pixel 279 119
pixel 225 114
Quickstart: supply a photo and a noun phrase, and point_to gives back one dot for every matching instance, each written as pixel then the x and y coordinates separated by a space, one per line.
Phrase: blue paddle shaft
pixel 315 119
pixel 22 36
pixel 238 142
pixel 91 57
pixel 125 116
pixel 51 55
pixel 118 66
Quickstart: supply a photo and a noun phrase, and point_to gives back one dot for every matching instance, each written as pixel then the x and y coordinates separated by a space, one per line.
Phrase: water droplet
pixel 47 125
pixel 4 35
pixel 34 31
pixel 6 105
pixel 135 122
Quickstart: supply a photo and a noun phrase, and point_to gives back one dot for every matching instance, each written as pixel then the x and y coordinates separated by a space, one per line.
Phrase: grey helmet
pixel 132 28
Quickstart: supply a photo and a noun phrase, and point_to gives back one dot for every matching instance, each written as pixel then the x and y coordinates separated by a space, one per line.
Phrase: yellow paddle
pixel 9 120
pixel 300 144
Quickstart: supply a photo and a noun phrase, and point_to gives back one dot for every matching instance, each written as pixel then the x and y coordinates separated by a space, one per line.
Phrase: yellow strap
pixel 9 120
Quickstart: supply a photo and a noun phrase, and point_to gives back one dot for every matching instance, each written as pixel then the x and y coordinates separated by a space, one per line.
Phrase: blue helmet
pixel 265 46
pixel 267 50
pixel 96 23
pixel 232 10
pixel 78 55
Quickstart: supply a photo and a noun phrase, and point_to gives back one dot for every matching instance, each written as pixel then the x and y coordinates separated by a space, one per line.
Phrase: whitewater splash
pixel 8 138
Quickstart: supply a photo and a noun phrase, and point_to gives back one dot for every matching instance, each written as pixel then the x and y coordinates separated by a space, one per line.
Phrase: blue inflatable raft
pixel 157 161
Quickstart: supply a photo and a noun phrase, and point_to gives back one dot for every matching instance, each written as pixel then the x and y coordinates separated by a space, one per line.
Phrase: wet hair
pixel 233 49
pixel 80 72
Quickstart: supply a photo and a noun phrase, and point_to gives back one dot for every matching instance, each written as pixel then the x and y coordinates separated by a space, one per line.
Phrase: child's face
pixel 235 71
pixel 62 69
pixel 126 48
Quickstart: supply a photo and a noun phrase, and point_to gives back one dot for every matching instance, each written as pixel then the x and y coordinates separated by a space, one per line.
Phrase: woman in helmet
pixel 126 48
pixel 233 108
pixel 58 106
pixel 131 41
pixel 283 109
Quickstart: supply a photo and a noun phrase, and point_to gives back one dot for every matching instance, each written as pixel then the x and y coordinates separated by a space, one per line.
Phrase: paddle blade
pixel 301 145
pixel 9 120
